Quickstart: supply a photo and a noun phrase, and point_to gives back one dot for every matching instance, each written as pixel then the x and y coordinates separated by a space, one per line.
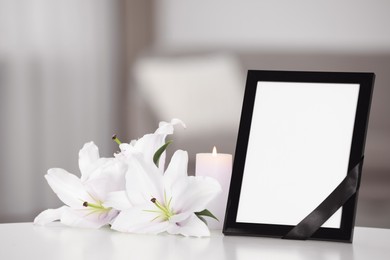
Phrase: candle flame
pixel 214 151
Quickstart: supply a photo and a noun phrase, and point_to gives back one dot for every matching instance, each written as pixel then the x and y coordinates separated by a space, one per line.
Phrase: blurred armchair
pixel 204 91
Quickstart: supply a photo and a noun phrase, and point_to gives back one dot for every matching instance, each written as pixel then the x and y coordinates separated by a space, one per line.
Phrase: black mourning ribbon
pixel 339 196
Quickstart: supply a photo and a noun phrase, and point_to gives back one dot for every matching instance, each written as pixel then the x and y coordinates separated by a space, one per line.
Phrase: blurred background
pixel 72 71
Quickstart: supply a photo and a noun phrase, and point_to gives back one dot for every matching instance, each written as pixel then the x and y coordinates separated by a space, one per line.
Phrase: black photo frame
pixel 299 153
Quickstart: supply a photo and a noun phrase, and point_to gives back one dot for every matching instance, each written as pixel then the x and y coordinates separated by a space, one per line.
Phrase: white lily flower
pixel 154 203
pixel 85 197
pixel 149 143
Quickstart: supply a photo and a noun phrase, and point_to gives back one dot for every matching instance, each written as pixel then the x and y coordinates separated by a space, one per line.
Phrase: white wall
pixel 325 25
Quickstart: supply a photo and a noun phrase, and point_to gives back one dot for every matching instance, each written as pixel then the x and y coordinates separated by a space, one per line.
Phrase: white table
pixel 57 242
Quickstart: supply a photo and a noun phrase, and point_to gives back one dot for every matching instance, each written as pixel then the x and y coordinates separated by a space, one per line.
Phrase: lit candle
pixel 219 167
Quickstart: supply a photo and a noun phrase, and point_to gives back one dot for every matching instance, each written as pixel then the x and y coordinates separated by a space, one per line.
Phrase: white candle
pixel 219 167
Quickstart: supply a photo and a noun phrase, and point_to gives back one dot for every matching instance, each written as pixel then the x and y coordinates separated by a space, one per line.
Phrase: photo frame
pixel 299 155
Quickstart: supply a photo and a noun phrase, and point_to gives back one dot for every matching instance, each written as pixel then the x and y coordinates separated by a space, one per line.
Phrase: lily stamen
pixel 115 138
pixel 165 209
pixel 92 205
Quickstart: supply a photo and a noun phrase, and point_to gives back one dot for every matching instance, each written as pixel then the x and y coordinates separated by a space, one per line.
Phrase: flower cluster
pixel 132 191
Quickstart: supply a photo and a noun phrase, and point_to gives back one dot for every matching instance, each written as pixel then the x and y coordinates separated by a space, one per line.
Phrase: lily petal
pixel 87 218
pixel 143 181
pixel 179 217
pixel 107 178
pixel 177 168
pixel 117 200
pixel 192 226
pixel 87 156
pixel 152 142
pixel 48 216
pixel 166 128
pixel 194 193
pixel 148 145
pixel 67 187
pixel 138 220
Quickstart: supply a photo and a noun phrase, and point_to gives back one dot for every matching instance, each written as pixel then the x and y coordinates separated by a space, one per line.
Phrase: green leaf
pixel 205 213
pixel 159 152
pixel 203 219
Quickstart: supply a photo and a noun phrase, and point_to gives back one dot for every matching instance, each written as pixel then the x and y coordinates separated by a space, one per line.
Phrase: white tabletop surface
pixel 26 241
